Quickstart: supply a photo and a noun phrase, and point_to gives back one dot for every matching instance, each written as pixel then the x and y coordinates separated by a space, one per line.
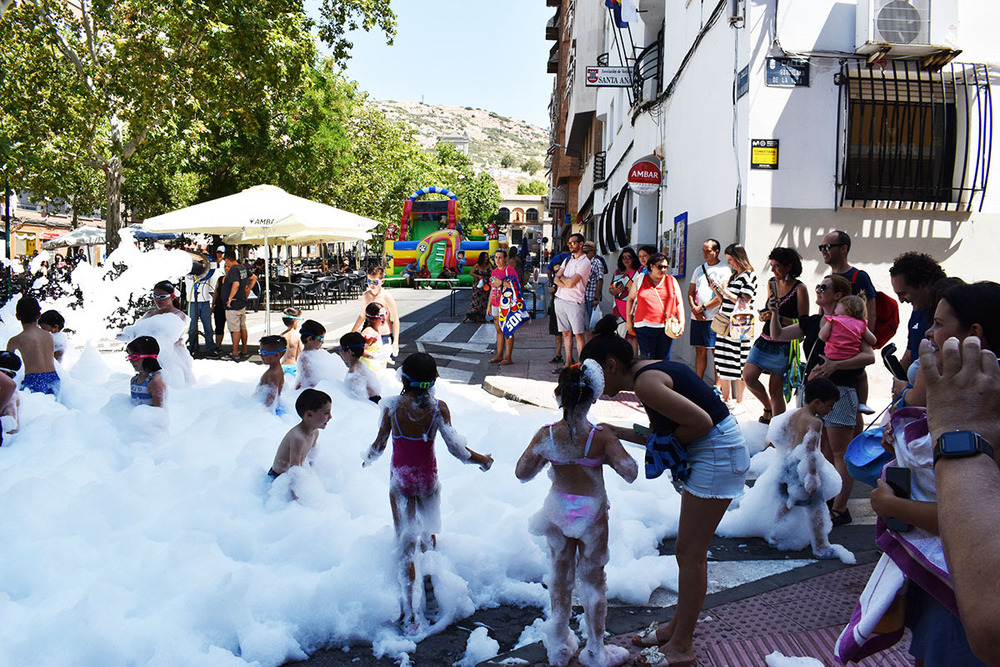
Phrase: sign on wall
pixel 743 82
pixel 675 245
pixel 787 72
pixel 763 153
pixel 644 177
pixel 616 77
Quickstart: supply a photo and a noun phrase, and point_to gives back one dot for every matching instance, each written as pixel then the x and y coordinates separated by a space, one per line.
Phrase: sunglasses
pixel 373 282
pixel 137 357
pixel 661 267
pixel 264 353
pixel 161 297
pixel 380 316
pixel 825 247
pixel 821 288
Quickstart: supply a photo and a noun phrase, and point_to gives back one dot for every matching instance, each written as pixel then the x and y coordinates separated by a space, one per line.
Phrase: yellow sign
pixel 763 153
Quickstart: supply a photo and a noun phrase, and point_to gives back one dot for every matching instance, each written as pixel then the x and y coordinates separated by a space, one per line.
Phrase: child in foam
pixel 377 345
pixel 10 364
pixel 53 322
pixel 313 407
pixel 806 479
pixel 312 334
pixel 273 379
pixel 291 318
pixel 360 381
pixel 36 349
pixel 147 386
pixel 574 518
pixel 413 419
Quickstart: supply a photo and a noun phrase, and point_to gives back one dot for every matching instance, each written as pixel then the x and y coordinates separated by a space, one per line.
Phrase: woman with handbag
pixel 732 343
pixel 791 298
pixel 653 312
pixel 694 436
pixel 621 286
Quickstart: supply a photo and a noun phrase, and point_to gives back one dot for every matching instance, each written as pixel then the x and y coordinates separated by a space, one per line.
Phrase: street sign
pixel 743 82
pixel 787 72
pixel 616 77
pixel 763 153
pixel 644 177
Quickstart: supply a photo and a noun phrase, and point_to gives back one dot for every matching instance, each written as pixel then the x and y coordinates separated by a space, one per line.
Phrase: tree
pixel 107 78
pixel 508 161
pixel 534 187
pixel 531 165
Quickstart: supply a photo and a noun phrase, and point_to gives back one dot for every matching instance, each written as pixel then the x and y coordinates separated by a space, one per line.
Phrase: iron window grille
pixel 648 67
pixel 914 138
pixel 600 160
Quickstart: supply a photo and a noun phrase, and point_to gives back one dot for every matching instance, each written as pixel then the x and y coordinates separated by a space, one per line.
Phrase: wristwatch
pixel 960 444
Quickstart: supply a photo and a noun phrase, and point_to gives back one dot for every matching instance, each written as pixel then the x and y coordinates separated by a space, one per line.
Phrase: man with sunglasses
pixel 834 248
pixel 235 291
pixel 374 293
pixel 571 283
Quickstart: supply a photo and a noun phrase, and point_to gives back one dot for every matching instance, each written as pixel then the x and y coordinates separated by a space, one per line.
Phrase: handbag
pixel 741 321
pixel 720 324
pixel 672 326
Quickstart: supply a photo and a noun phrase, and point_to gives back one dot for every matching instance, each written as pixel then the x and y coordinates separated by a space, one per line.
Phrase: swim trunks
pixel 42 383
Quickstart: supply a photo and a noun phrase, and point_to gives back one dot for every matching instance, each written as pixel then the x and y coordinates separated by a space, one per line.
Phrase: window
pixel 504 215
pixel 531 215
pixel 915 138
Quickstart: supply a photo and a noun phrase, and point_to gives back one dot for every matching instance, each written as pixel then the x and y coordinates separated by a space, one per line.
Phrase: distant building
pixel 526 216
pixel 459 141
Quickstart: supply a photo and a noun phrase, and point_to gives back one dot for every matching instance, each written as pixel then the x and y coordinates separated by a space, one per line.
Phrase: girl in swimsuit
pixel 574 518
pixel 147 387
pixel 413 419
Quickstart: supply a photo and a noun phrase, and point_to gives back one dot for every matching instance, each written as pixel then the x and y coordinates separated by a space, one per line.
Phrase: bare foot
pixel 506 362
pixel 494 360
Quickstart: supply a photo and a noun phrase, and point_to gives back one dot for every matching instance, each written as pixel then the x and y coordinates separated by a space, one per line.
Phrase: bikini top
pixel 584 460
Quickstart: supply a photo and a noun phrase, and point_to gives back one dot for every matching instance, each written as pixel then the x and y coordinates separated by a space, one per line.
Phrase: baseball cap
pixel 221 248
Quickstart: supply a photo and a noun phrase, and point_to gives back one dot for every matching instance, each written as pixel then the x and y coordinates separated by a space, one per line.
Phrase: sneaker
pixel 865 410
pixel 556 360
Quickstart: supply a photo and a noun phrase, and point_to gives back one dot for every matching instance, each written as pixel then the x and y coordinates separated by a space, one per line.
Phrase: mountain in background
pixel 492 138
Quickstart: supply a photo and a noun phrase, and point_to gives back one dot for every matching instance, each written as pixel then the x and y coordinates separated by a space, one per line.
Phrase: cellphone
pixel 892 363
pixel 643 431
pixel 899 479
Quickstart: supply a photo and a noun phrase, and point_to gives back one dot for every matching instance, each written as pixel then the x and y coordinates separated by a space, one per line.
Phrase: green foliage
pixel 508 161
pixel 531 165
pixel 534 187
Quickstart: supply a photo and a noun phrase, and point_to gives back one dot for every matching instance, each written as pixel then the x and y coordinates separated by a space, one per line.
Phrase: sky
pixel 478 53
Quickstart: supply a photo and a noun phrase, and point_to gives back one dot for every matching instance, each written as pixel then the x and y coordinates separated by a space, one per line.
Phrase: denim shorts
pixel 719 461
pixel 769 356
pixel 701 333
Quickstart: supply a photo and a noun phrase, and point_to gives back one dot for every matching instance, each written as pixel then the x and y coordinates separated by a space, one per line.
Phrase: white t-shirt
pixel 703 292
pixel 578 266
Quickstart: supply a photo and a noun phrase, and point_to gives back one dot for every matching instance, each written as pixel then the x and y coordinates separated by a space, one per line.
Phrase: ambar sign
pixel 644 177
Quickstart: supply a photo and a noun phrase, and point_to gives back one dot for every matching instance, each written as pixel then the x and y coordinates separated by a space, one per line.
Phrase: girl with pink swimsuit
pixel 413 420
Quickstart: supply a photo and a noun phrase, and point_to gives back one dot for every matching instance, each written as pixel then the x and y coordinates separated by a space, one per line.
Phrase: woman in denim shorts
pixel 678 402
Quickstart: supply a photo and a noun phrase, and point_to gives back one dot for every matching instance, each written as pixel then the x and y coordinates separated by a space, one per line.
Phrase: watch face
pixel 957 442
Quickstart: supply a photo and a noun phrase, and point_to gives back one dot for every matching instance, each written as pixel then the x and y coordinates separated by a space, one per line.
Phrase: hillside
pixel 491 136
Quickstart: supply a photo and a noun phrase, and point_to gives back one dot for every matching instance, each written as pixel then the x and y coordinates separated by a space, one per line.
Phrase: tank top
pixel 140 390
pixel 414 467
pixel 690 386
pixel 788 308
pixel 654 302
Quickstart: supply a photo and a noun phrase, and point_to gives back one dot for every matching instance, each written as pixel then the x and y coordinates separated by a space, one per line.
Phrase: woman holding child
pixel 840 423
pixel 695 436
pixel 166 302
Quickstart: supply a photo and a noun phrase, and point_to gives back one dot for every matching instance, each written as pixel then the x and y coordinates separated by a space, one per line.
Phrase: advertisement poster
pixel 675 245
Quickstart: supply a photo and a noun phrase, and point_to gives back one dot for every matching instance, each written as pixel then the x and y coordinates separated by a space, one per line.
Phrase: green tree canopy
pixel 534 187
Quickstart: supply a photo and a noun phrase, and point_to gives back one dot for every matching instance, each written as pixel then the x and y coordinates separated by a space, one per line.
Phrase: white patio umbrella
pixel 80 236
pixel 261 213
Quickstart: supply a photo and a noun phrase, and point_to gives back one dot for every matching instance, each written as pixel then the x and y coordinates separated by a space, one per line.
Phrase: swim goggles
pixel 418 385
pixel 307 335
pixel 137 357
pixel 264 353
pixel 161 297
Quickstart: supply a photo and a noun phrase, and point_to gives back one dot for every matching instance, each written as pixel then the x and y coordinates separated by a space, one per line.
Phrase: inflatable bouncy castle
pixel 430 234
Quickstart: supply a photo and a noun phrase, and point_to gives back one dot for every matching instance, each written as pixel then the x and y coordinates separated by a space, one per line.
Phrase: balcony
pixel 553 64
pixel 600 160
pixel 648 67
pixel 552 29
pixel 552 3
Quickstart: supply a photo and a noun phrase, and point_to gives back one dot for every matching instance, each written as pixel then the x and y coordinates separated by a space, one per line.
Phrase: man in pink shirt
pixel 571 282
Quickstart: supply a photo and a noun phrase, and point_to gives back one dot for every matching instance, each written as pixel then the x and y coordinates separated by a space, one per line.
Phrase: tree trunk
pixel 113 175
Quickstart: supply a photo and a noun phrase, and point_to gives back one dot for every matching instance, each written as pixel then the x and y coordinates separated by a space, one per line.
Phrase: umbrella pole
pixel 267 284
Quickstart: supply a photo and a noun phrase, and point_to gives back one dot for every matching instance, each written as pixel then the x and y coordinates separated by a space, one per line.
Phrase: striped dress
pixel 731 353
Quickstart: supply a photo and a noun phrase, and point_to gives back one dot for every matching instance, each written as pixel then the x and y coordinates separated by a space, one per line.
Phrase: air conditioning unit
pixel 906 27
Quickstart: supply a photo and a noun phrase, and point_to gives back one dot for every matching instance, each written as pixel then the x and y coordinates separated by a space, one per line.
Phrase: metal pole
pixel 267 284
pixel 6 211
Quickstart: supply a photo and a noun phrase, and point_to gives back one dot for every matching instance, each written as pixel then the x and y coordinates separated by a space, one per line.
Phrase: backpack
pixel 886 315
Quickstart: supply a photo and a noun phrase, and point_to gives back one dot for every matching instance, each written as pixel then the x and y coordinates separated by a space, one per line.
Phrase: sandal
pixel 647 637
pixel 653 657
pixel 766 417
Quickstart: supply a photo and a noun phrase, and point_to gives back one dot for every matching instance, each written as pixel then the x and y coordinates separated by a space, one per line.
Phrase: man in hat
pixel 595 284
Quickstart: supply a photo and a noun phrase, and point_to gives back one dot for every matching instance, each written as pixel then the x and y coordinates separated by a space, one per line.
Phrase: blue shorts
pixel 719 461
pixel 770 356
pixel 701 333
pixel 42 383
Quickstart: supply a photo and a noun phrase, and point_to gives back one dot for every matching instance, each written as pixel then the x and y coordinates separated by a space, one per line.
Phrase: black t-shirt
pixel 690 386
pixel 236 275
pixel 814 348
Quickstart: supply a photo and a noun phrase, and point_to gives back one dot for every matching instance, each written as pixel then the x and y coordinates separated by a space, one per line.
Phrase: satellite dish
pixel 899 22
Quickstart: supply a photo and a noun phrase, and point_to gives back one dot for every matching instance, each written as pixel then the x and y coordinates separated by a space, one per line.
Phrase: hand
pixel 699 315
pixel 630 329
pixel 887 439
pixel 963 392
pixel 486 462
pixel 823 370
pixel 811 484
pixel 882 500
pixel 395 349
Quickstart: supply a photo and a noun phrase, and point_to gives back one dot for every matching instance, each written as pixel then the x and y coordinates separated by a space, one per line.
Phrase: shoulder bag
pixel 671 323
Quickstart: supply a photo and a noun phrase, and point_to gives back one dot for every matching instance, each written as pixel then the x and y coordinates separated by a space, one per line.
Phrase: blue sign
pixel 743 82
pixel 787 72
